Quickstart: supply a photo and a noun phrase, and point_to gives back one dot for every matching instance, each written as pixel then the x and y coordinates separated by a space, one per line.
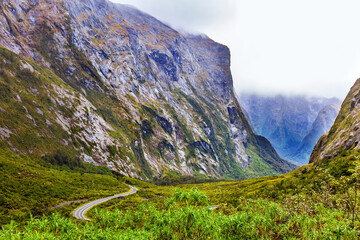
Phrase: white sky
pixel 309 47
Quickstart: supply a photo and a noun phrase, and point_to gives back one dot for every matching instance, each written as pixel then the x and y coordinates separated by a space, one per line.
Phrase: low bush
pixel 255 219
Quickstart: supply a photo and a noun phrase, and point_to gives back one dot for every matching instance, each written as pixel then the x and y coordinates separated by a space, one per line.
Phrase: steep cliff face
pixel 321 125
pixel 126 91
pixel 287 121
pixel 344 133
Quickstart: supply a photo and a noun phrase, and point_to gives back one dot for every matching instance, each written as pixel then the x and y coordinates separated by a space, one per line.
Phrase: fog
pixel 280 46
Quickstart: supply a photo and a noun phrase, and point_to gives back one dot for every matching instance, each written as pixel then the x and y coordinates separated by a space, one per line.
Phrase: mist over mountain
pixel 291 123
pixel 113 86
pixel 114 125
pixel 321 125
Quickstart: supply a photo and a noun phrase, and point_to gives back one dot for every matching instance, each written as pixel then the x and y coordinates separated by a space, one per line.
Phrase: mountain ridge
pixel 321 125
pixel 137 96
pixel 343 135
pixel 287 120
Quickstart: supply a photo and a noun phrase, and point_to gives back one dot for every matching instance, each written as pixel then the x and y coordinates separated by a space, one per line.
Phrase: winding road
pixel 80 212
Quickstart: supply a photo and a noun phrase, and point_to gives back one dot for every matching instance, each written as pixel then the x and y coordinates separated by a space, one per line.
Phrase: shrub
pixel 62 157
pixel 193 197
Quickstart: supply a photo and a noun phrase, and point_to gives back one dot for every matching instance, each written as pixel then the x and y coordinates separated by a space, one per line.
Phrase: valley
pixel 140 100
pixel 293 124
pixel 299 205
pixel 114 125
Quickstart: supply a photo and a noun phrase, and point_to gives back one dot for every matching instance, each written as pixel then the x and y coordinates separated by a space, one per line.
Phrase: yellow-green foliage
pixel 338 139
pixel 28 188
pixel 27 106
pixel 312 202
pixel 260 219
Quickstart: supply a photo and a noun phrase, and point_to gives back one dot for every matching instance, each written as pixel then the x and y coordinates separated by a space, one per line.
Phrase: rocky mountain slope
pixel 344 133
pixel 289 122
pixel 116 87
pixel 321 125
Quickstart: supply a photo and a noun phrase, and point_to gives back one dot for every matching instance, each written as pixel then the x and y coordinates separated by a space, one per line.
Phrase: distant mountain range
pixel 321 125
pixel 293 124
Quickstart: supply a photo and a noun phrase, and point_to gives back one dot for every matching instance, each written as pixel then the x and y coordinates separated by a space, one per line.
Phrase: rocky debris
pixel 4 133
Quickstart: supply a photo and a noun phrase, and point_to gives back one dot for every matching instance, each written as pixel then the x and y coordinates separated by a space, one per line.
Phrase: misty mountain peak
pixel 127 92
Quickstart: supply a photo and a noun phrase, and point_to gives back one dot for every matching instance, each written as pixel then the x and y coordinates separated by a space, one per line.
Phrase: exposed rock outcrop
pixel 344 133
pixel 145 98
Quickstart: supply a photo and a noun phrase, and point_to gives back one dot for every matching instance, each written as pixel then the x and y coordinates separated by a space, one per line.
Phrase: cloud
pixel 189 14
pixel 279 46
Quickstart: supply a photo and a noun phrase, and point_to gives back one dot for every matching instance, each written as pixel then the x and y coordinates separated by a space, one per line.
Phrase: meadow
pixel 313 202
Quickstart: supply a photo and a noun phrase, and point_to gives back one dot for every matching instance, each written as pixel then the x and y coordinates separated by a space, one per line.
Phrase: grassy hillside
pixel 313 202
pixel 344 133
pixel 34 188
pixel 253 220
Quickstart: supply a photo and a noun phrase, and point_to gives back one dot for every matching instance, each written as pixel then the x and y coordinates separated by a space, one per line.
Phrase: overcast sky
pixel 309 47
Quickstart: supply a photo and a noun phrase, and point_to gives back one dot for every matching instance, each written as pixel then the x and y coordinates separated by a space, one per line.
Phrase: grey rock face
pixel 166 98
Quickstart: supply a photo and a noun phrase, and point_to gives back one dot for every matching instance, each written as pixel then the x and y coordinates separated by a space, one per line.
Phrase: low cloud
pixel 280 46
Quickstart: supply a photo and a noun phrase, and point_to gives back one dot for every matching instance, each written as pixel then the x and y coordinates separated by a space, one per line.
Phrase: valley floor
pixel 312 202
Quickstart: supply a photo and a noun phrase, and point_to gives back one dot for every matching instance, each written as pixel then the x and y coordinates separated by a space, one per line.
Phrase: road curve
pixel 80 212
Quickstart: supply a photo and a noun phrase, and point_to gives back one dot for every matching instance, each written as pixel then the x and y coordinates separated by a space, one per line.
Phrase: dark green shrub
pixel 62 157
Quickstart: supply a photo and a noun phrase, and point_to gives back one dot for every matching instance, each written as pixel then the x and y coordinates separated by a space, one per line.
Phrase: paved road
pixel 80 212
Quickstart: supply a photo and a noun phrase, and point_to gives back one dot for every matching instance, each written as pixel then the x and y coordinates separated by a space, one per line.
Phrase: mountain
pixel 321 125
pixel 113 86
pixel 344 134
pixel 287 121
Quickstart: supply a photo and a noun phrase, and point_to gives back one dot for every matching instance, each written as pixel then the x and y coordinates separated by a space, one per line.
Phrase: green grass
pixel 29 188
pixel 184 219
pixel 312 202
pixel 317 201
